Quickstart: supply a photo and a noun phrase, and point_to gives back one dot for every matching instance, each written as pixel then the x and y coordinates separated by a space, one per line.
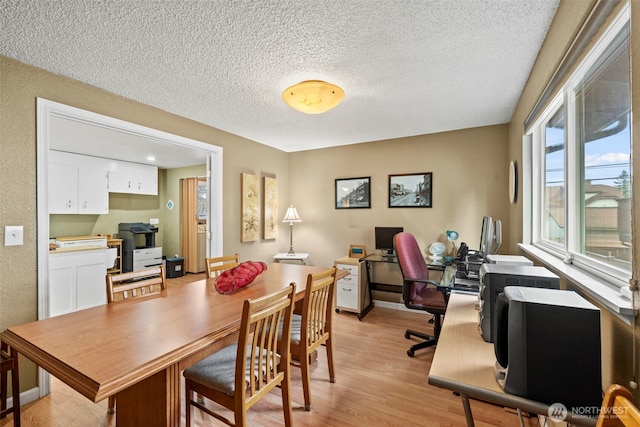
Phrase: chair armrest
pixel 444 289
pixel 427 281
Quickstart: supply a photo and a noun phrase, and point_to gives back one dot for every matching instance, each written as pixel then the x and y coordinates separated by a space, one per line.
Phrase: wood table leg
pixel 154 401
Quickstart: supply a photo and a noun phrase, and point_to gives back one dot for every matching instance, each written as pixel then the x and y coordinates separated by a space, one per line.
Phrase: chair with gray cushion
pixel 312 328
pixel 240 374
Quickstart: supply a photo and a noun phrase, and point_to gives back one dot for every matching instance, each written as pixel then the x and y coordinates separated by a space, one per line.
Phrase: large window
pixel 582 164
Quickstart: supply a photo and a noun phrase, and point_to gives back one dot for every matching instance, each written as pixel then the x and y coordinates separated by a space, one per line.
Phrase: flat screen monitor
pixel 384 238
pixel 490 236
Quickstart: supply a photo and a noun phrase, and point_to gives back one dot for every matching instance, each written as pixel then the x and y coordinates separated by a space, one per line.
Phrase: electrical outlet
pixel 13 235
pixel 154 221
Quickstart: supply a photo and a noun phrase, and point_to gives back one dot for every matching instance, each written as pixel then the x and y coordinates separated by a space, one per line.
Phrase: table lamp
pixel 291 216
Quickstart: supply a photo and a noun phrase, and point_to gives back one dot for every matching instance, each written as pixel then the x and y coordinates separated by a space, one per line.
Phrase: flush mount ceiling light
pixel 313 96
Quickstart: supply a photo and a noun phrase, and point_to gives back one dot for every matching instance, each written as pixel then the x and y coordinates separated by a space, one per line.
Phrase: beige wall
pixel 469 167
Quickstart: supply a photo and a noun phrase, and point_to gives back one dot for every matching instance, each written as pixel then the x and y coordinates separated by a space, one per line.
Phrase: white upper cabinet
pixel 77 184
pixel 132 178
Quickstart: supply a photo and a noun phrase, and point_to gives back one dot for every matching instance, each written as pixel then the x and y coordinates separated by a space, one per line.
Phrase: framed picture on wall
pixel 353 193
pixel 411 190
pixel 250 208
pixel 270 208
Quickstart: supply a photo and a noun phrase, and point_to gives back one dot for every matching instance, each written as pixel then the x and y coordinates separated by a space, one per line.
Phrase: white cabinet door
pixel 77 280
pixel 77 184
pixel 133 178
pixel 63 189
pixel 91 287
pixel 93 191
pixel 61 289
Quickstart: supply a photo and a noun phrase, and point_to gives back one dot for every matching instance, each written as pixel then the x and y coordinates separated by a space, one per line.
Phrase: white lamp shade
pixel 291 215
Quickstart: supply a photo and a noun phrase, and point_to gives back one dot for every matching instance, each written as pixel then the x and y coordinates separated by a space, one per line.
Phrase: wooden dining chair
pixel 9 363
pixel 134 284
pixel 239 375
pixel 312 328
pixel 215 266
pixel 618 409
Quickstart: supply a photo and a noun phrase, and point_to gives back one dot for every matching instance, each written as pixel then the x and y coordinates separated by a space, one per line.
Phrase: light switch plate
pixel 13 235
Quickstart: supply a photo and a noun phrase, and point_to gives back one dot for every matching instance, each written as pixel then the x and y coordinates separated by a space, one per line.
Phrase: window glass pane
pixel 604 143
pixel 553 213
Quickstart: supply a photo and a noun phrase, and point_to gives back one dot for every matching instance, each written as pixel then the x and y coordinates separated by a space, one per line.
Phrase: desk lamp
pixel 452 236
pixel 291 216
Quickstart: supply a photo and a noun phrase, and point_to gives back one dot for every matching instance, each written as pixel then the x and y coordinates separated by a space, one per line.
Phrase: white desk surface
pixel 296 256
pixel 464 362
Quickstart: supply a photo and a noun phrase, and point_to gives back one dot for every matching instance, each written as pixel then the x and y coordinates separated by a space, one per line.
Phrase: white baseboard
pixel 26 397
pixel 396 306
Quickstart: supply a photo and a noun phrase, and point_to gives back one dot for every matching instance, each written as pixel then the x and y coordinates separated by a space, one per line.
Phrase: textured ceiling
pixel 408 67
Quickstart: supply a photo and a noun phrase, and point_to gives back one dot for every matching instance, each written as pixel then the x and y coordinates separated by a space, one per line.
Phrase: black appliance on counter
pixel 139 250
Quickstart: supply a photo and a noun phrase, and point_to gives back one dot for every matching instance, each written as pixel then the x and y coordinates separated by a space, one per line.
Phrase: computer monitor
pixel 490 236
pixel 384 238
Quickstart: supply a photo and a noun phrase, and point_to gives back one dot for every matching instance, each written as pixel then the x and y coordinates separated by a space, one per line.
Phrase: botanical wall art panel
pixel 270 208
pixel 250 208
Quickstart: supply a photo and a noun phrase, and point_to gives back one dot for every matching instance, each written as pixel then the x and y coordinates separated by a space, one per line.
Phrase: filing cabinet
pixel 351 291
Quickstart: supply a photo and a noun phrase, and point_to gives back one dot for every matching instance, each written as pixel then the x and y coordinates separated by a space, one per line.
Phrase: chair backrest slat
pixel 263 353
pixel 136 284
pixel 215 266
pixel 618 408
pixel 317 308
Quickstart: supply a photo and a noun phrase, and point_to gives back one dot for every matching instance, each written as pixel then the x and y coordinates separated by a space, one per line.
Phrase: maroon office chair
pixel 418 292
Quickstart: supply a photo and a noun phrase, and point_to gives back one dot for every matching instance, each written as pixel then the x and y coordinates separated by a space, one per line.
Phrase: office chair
pixel 418 292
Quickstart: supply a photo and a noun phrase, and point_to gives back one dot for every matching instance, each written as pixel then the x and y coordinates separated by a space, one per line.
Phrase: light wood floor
pixel 377 384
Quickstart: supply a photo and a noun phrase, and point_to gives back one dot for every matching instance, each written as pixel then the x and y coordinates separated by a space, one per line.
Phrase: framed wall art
pixel 411 190
pixel 353 193
pixel 250 208
pixel 270 208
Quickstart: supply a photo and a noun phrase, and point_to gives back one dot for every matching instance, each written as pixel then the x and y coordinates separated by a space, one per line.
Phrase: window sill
pixel 593 287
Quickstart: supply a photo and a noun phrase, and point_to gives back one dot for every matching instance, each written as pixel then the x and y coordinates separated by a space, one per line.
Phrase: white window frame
pixel 605 283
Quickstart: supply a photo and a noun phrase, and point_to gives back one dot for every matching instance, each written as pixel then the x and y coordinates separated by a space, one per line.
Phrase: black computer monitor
pixel 384 238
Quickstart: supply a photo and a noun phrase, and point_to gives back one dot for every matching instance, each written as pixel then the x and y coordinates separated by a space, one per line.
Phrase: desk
pixel 447 281
pixel 284 256
pixel 137 349
pixel 464 362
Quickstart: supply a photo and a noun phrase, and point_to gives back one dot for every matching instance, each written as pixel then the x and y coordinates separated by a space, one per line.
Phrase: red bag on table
pixel 237 277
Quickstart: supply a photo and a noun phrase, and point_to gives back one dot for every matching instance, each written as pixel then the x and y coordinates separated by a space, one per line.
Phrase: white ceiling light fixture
pixel 313 96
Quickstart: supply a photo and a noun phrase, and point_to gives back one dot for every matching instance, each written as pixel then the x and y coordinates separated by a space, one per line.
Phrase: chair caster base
pixel 410 353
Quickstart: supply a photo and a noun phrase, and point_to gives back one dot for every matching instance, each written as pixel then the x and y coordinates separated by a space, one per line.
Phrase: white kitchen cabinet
pixel 77 184
pixel 132 178
pixel 77 280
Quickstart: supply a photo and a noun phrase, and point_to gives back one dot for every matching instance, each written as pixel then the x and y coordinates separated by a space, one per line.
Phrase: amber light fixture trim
pixel 313 96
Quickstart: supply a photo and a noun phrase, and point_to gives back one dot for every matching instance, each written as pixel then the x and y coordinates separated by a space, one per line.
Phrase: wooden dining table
pixel 136 349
